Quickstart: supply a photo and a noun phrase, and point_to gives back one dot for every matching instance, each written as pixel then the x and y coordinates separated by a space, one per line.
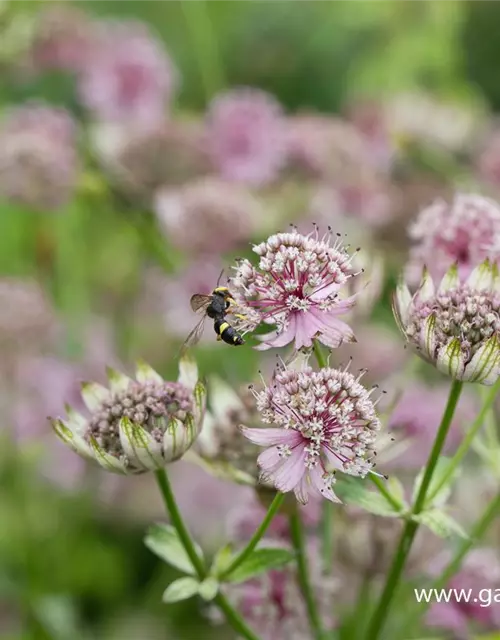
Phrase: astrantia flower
pixel 456 327
pixel 246 135
pixel 208 216
pixel 143 161
pixel 38 161
pixel 63 39
pixel 136 425
pixel 325 421
pixel 129 77
pixel 297 286
pixel 466 232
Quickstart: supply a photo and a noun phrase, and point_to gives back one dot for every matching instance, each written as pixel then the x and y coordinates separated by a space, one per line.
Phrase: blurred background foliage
pixel 72 563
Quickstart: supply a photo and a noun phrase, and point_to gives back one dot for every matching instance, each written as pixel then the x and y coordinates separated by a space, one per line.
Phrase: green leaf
pixel 222 560
pixel 354 491
pixel 162 539
pixel 440 523
pixel 260 561
pixel 397 490
pixel 181 589
pixel 440 472
pixel 208 589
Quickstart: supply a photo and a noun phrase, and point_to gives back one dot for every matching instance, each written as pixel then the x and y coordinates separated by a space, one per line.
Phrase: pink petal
pixel 275 339
pixel 302 491
pixel 291 471
pixel 265 437
pixel 269 460
pixel 323 488
pixel 334 331
pixel 305 331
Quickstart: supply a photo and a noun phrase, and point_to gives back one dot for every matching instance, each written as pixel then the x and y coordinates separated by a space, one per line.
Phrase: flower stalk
pixel 411 526
pixel 232 616
pixel 257 536
pixel 298 541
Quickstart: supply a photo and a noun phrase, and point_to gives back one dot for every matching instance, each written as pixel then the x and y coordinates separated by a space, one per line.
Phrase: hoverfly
pixel 214 306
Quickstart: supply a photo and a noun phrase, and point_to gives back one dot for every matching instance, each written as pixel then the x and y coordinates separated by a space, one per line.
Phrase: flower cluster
pixel 325 421
pixel 297 286
pixel 457 325
pixel 466 232
pixel 38 162
pixel 136 425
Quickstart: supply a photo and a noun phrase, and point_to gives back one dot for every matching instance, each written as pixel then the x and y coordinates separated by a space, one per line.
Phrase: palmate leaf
pixel 162 539
pixel 355 491
pixel 260 561
pixel 181 589
pixel 440 472
pixel 440 523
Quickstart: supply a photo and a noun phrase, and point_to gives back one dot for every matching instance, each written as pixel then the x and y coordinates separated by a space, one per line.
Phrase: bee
pixel 214 306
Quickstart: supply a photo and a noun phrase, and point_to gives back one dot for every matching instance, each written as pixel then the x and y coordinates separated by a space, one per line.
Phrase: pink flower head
pixel 63 39
pixel 246 135
pixel 325 421
pixel 481 575
pixel 297 286
pixel 130 77
pixel 465 231
pixel 38 160
pixel 207 215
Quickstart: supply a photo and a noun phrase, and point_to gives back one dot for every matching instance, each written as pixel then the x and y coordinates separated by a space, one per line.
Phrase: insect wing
pixel 195 335
pixel 200 301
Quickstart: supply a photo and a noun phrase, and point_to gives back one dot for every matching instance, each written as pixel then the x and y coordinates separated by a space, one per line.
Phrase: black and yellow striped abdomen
pixel 227 333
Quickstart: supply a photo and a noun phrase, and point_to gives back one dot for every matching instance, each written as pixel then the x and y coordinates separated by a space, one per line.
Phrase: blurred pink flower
pixel 322 422
pixel 129 77
pixel 415 420
pixel 27 318
pixel 297 286
pixel 141 161
pixel 38 160
pixel 208 216
pixel 324 147
pixel 246 135
pixel 63 39
pixel 465 231
pixel 273 604
pixel 480 574
pixel 368 117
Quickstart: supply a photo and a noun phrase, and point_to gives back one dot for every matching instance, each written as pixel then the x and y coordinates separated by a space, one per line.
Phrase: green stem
pixel 255 539
pixel 298 541
pixel 476 534
pixel 320 356
pixel 383 490
pixel 468 439
pixel 204 44
pixel 232 616
pixel 411 526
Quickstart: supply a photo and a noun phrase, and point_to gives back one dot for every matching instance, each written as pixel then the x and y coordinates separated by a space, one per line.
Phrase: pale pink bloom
pixel 129 77
pixel 416 418
pixel 463 232
pixel 455 326
pixel 298 286
pixel 323 421
pixel 139 161
pixel 481 574
pixel 208 216
pixel 369 119
pixel 324 147
pixel 246 135
pixel 63 39
pixel 38 158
